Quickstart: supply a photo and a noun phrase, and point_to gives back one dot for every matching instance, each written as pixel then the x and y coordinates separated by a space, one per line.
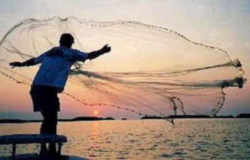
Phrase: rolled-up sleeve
pixel 40 58
pixel 79 56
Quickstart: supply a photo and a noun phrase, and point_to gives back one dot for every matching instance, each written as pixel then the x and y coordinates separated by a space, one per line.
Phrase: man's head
pixel 66 40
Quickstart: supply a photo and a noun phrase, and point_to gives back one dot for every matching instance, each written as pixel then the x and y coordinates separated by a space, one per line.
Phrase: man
pixel 51 79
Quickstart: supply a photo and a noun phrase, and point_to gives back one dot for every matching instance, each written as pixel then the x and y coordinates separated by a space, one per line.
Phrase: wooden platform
pixel 22 157
pixel 31 138
pixel 37 157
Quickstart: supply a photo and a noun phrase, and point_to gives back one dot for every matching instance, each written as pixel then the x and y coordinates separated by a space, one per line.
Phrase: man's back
pixel 55 66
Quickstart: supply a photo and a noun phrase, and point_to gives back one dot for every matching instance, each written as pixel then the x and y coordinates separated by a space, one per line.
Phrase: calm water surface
pixel 196 139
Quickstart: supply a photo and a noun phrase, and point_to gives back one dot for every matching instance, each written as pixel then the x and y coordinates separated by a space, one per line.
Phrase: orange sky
pixel 205 22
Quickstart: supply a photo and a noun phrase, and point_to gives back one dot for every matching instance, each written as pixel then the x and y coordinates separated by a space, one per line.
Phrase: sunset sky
pixel 221 23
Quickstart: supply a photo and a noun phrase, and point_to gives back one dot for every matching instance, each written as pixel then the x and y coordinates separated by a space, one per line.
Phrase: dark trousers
pixel 49 123
pixel 45 100
pixel 49 126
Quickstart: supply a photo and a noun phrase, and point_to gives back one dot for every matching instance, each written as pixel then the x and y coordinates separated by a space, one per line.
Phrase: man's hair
pixel 66 40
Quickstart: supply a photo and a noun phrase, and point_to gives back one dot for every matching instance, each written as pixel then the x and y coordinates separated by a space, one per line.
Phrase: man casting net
pixel 151 70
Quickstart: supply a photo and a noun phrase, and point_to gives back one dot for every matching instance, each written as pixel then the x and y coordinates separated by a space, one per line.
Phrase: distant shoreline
pixel 239 116
pixel 242 115
pixel 60 120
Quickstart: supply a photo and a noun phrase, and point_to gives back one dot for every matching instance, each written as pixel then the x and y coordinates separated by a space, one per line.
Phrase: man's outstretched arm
pixel 95 54
pixel 29 62
pixel 36 60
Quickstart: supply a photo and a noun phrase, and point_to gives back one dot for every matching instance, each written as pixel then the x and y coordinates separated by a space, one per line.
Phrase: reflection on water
pixel 147 139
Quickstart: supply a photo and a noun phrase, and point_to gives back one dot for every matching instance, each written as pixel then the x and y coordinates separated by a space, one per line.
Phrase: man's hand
pixel 16 64
pixel 105 49
pixel 94 54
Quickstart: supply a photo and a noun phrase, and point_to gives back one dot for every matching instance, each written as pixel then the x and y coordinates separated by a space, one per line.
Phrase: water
pixel 190 139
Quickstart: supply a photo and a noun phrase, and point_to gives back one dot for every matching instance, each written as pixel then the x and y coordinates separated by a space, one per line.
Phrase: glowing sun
pixel 96 112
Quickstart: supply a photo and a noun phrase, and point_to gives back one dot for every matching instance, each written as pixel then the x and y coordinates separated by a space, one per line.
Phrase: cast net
pixel 151 70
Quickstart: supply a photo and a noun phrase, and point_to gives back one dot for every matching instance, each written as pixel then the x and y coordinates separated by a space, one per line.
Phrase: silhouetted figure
pixel 51 79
